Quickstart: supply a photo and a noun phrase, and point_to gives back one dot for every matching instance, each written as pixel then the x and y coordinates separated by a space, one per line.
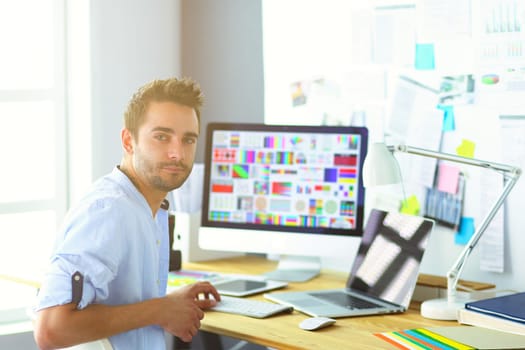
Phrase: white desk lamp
pixel 381 168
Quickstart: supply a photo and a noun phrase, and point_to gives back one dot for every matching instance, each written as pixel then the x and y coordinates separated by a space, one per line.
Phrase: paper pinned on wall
pixel 448 178
pixel 447 24
pixel 415 120
pixel 466 230
pixel 444 19
pixel 513 139
pixel 466 149
pixel 394 34
pixel 425 57
pixel 410 206
pixel 492 242
pixel 501 44
pixel 449 123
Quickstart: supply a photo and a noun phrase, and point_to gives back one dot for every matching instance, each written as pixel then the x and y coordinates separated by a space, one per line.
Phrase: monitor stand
pixel 295 269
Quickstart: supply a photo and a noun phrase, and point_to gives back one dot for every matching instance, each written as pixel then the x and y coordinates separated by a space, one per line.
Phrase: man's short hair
pixel 183 91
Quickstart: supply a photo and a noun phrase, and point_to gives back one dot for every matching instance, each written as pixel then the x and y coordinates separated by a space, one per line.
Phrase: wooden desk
pixel 282 331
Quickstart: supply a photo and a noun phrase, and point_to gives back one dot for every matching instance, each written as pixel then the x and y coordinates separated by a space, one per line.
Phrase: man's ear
pixel 127 140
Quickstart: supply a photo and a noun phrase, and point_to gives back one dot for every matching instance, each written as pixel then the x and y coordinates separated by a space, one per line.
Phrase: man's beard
pixel 167 186
pixel 151 174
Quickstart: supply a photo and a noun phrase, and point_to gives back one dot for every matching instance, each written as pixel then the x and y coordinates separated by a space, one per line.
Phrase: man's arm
pixel 179 313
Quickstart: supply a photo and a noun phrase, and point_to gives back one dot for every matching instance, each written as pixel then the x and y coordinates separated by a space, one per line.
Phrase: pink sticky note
pixel 448 178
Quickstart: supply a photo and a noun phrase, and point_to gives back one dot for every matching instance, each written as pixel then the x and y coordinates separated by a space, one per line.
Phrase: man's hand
pixel 183 313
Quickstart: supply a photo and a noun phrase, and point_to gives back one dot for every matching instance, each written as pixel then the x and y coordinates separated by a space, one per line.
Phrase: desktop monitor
pixel 292 191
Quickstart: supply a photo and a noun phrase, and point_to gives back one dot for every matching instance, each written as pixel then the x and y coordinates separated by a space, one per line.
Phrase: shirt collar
pixel 125 182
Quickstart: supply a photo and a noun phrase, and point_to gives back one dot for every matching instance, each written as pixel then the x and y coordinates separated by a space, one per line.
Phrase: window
pixel 33 180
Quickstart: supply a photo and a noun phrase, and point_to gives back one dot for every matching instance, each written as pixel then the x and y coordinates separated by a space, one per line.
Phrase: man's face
pixel 165 149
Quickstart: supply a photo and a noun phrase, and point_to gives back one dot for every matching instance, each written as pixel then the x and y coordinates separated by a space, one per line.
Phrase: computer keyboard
pixel 250 307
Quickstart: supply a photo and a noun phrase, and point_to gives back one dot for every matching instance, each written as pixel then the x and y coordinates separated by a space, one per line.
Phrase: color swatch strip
pixel 421 339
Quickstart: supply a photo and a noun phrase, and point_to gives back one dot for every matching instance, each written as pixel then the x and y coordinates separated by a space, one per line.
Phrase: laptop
pixel 383 275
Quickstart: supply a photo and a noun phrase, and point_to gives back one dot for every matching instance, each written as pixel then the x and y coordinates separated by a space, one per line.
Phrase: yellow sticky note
pixel 466 149
pixel 410 206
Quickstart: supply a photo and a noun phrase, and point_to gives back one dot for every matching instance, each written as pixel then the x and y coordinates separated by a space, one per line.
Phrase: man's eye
pixel 161 137
pixel 190 140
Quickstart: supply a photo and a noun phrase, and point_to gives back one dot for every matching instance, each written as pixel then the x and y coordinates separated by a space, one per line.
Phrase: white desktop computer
pixel 294 191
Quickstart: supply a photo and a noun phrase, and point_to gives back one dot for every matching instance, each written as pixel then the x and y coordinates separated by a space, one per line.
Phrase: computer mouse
pixel 313 323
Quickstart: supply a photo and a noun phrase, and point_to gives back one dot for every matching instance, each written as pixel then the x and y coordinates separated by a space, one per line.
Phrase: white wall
pixel 132 42
pixel 222 50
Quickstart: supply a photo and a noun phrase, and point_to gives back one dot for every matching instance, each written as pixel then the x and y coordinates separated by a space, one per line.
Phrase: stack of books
pixel 504 313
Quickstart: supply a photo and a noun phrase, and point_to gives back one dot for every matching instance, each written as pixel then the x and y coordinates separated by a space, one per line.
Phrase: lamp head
pixel 380 166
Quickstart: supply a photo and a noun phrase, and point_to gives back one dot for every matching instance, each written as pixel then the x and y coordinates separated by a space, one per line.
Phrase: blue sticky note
pixel 449 123
pixel 466 230
pixel 425 57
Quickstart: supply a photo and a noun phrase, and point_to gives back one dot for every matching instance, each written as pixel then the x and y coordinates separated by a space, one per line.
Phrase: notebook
pixel 383 275
pixel 508 306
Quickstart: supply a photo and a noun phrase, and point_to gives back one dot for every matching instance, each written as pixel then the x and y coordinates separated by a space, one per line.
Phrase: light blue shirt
pixel 112 239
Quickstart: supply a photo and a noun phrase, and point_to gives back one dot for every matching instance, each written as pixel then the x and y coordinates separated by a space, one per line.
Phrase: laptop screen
pixel 389 256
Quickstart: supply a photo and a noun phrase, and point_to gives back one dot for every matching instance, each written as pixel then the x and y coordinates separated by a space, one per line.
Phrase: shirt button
pixel 158 282
pixel 158 242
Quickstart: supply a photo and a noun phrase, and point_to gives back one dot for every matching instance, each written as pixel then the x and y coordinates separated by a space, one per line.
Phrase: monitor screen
pixel 283 179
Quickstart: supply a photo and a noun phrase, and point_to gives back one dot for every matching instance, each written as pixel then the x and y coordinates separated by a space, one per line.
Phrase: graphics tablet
pixel 244 286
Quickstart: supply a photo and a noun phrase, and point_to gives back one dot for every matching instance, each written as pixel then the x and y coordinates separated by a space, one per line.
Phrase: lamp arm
pixel 454 273
pixel 457 159
pixel 510 175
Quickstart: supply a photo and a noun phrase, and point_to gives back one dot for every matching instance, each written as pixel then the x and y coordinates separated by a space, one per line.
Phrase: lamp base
pixel 441 309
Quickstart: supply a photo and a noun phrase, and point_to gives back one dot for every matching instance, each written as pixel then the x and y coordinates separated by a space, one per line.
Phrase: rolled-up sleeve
pixel 57 288
pixel 92 245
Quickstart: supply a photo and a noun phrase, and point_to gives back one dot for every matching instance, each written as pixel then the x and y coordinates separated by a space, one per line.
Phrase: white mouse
pixel 313 323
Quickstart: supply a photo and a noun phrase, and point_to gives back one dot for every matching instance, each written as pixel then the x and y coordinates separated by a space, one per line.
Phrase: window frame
pixel 56 95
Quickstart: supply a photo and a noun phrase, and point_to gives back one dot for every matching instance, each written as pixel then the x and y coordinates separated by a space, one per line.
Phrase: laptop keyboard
pixel 345 300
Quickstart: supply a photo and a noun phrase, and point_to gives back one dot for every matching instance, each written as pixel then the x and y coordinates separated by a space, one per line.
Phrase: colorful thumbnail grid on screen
pixel 284 179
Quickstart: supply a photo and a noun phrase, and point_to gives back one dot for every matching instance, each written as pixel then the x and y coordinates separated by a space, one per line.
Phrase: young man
pixel 108 273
